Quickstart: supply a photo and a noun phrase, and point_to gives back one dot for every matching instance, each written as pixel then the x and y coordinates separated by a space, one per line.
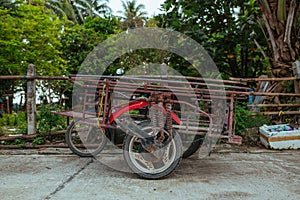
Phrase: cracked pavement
pixel 263 175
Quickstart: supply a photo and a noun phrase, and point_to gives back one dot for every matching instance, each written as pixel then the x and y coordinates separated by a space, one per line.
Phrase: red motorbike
pixel 156 120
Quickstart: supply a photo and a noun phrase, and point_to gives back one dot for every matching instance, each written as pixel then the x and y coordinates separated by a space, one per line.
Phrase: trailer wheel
pixel 85 140
pixel 156 164
pixel 194 146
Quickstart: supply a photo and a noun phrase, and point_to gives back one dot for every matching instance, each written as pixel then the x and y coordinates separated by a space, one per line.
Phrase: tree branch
pixel 289 25
pixel 261 50
pixel 272 39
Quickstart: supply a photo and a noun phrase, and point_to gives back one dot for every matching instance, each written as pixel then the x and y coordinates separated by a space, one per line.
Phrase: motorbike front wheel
pixel 153 164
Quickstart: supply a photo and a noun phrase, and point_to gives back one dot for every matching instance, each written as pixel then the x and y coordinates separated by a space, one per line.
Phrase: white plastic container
pixel 274 139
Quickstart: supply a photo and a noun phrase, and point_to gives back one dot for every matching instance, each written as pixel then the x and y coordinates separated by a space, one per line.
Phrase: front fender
pixel 137 105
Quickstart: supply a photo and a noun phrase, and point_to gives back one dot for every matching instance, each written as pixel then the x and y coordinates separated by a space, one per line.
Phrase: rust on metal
pixel 159 96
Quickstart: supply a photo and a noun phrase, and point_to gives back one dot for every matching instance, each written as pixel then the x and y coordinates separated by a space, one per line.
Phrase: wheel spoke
pixel 165 157
pixel 139 157
pixel 153 159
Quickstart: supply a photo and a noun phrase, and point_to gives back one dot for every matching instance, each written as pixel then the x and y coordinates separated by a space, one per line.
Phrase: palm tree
pixel 78 10
pixel 133 15
pixel 99 7
pixel 281 28
pixel 63 8
pixel 279 24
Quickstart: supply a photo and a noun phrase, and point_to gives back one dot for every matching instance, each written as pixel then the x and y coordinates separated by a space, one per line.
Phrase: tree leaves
pixel 30 35
pixel 223 28
pixel 133 15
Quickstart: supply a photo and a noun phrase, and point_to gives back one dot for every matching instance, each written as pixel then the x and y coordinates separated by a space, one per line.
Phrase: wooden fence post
pixel 31 104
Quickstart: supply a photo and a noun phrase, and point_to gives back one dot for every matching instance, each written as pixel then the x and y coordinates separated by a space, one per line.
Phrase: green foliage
pixel 21 122
pixel 30 34
pixel 226 29
pixel 79 40
pixel 104 27
pixel 133 14
pixel 244 118
pixel 138 58
pixel 19 142
pixel 289 85
pixel 17 121
pixel 78 10
pixel 38 141
pixel 48 122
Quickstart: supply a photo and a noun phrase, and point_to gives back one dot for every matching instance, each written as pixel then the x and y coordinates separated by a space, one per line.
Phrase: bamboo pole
pixel 264 79
pixel 278 113
pixel 274 105
pixel 29 137
pixel 274 94
pixel 34 77
pixel 33 147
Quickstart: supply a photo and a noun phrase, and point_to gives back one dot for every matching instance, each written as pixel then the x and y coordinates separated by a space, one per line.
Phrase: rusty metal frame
pixel 233 90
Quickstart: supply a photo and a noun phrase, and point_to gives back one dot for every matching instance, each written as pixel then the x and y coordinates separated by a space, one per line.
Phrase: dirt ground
pixel 226 174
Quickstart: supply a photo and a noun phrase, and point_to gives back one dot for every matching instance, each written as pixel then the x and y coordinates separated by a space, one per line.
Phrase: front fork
pixel 161 120
pixel 157 118
pixel 160 114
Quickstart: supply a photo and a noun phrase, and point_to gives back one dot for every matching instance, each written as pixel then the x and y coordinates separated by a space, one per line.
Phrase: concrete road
pixel 30 175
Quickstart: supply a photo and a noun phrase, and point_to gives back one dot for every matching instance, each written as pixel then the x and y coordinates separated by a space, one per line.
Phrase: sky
pixel 152 6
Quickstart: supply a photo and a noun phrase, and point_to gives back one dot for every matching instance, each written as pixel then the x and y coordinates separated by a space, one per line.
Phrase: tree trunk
pixel 279 26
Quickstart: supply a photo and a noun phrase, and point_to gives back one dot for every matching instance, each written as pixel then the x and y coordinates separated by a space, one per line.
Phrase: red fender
pixel 137 105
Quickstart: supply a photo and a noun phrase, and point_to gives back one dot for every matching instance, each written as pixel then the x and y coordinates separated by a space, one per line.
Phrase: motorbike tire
pixel 139 159
pixel 94 143
pixel 195 145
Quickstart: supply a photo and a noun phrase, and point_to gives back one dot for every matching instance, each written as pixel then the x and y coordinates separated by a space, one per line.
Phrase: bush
pixel 48 122
pixel 17 121
pixel 244 118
